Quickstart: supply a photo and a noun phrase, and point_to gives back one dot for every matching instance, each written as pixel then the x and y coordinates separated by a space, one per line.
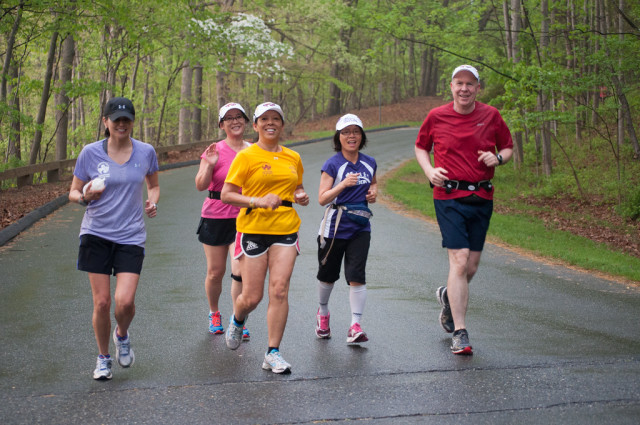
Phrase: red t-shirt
pixel 456 140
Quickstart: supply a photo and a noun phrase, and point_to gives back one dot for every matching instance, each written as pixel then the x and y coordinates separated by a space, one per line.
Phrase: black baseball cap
pixel 118 107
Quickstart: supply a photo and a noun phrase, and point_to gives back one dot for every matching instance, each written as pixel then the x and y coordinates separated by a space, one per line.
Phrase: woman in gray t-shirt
pixel 108 179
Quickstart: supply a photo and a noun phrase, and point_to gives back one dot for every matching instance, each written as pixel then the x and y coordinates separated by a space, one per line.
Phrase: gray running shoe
pixel 103 369
pixel 460 342
pixel 275 363
pixel 233 336
pixel 124 352
pixel 446 319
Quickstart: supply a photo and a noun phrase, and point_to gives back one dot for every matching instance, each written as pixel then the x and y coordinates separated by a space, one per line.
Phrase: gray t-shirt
pixel 118 215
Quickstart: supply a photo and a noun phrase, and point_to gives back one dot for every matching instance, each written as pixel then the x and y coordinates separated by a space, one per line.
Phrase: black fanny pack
pixel 472 199
pixel 288 204
pixel 450 185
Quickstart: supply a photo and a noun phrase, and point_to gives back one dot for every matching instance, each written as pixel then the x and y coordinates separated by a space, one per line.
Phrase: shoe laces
pixel 103 363
pixel 356 328
pixel 215 319
pixel 324 321
pixel 124 346
pixel 276 359
pixel 235 331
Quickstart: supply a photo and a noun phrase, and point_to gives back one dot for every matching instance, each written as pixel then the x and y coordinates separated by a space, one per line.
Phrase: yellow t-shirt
pixel 258 173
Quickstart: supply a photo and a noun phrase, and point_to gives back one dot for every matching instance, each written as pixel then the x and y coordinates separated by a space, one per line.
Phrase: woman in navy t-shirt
pixel 347 185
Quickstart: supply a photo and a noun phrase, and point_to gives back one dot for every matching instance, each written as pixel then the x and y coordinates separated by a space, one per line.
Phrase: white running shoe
pixel 275 363
pixel 103 369
pixel 233 336
pixel 124 352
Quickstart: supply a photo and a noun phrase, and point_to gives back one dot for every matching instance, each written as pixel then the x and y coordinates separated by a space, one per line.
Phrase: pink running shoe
pixel 215 327
pixel 356 334
pixel 323 331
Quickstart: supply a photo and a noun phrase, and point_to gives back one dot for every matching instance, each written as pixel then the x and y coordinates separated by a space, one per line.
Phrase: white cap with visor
pixel 468 68
pixel 229 106
pixel 264 107
pixel 347 120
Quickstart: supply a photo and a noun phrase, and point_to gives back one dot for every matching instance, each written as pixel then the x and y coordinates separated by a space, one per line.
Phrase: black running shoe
pixel 446 319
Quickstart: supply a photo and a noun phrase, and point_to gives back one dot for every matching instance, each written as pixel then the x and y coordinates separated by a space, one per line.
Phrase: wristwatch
pixel 499 158
pixel 81 201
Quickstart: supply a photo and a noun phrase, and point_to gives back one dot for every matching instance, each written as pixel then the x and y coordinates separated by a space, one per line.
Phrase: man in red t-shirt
pixel 469 139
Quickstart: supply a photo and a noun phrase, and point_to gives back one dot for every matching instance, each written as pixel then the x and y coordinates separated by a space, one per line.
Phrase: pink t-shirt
pixel 214 208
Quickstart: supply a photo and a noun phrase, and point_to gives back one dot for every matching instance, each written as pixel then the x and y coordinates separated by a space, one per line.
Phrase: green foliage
pixel 13 162
pixel 631 206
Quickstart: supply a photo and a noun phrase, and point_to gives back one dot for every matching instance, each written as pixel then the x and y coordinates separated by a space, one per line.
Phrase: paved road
pixel 551 344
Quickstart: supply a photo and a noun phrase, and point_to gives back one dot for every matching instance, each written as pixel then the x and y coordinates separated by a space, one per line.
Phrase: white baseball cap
pixel 264 107
pixel 347 120
pixel 466 68
pixel 229 106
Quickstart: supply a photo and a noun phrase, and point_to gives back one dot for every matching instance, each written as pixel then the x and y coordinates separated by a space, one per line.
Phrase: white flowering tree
pixel 250 48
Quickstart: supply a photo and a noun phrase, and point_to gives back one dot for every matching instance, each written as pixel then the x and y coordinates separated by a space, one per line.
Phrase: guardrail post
pixel 53 176
pixel 24 180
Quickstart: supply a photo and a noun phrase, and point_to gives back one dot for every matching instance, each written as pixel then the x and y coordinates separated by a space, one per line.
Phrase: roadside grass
pixel 408 186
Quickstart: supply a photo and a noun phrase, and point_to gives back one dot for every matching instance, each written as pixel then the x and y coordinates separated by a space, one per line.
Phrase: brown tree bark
pixel 44 99
pixel 61 98
pixel 13 146
pixel 196 113
pixel 184 123
pixel 8 57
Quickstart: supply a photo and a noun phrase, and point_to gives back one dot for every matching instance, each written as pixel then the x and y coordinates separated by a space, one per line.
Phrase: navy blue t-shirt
pixel 338 167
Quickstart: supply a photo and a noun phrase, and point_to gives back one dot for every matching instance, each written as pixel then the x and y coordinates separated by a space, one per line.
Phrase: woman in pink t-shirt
pixel 217 228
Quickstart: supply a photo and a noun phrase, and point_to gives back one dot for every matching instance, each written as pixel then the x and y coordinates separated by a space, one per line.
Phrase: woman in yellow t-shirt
pixel 265 180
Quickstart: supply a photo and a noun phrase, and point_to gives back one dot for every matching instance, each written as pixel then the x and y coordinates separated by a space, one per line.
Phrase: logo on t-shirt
pixel 103 169
pixel 266 169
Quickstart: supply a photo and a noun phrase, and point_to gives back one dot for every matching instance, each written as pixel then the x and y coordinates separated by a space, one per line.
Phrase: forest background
pixel 564 75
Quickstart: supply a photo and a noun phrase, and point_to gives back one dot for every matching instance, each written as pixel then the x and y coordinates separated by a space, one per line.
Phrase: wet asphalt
pixel 552 345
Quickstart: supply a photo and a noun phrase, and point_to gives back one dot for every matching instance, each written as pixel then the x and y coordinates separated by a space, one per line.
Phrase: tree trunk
pixel 46 92
pixel 411 87
pixel 335 93
pixel 13 146
pixel 507 26
pixel 61 98
pixel 543 97
pixel 184 123
pixel 196 114
pixel 513 33
pixel 621 115
pixel 221 96
pixel 9 53
pixel 62 103
pixel 424 73
pixel 516 27
pixel 395 86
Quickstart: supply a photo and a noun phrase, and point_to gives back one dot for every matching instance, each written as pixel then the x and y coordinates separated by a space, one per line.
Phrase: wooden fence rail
pixel 24 175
